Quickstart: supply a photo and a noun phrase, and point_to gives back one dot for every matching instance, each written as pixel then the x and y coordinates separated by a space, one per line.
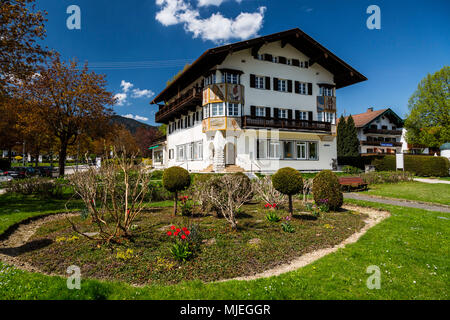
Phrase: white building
pixel 379 132
pixel 255 105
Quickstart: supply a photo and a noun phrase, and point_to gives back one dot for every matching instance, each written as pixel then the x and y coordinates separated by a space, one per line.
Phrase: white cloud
pixel 135 117
pixel 126 86
pixel 121 99
pixel 137 93
pixel 216 28
pixel 205 3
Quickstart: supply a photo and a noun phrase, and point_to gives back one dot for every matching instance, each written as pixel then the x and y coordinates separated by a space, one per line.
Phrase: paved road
pixel 395 202
pixel 434 181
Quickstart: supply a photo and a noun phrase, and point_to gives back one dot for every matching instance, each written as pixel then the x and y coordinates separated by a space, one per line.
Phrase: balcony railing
pixel 381 143
pixel 191 98
pixel 301 125
pixel 383 131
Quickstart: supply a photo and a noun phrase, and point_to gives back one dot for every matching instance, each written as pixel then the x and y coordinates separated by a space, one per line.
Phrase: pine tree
pixel 341 133
pixel 351 139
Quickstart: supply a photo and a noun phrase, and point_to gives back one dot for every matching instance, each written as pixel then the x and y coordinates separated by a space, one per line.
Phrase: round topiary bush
pixel 288 181
pixel 326 187
pixel 176 179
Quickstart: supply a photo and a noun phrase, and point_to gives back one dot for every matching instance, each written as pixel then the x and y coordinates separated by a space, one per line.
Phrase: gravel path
pixel 398 202
pixel 18 242
pixel 433 181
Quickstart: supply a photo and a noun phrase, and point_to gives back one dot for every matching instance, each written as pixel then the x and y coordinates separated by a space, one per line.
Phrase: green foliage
pixel 351 170
pixel 45 188
pixel 157 192
pixel 176 179
pixel 287 227
pixel 271 216
pixel 428 122
pixel 425 166
pixel 326 187
pixel 288 181
pixel 157 175
pixel 358 161
pixel 386 177
pixel 181 251
pixel 347 138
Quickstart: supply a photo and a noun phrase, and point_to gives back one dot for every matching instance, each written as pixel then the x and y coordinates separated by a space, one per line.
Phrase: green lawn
pixel 411 249
pixel 427 192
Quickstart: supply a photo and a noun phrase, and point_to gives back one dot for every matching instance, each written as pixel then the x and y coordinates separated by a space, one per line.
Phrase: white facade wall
pixel 382 121
pixel 245 141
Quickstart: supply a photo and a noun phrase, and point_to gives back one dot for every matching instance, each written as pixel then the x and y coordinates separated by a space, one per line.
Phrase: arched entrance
pixel 230 154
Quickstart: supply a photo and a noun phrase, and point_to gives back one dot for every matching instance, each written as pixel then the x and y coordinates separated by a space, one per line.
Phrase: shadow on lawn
pixel 27 247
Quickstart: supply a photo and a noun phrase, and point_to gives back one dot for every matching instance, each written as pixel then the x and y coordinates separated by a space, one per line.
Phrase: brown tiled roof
pixel 363 119
pixel 345 75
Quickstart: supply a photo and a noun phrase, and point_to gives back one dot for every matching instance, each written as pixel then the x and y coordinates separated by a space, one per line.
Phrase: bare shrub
pixel 264 191
pixel 307 188
pixel 228 194
pixel 113 195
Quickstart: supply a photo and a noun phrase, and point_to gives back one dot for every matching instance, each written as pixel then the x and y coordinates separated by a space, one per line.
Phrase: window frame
pixel 263 115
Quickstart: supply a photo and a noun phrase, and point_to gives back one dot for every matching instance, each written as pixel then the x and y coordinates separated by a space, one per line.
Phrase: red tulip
pixel 187 232
pixel 169 233
pixel 172 227
pixel 183 237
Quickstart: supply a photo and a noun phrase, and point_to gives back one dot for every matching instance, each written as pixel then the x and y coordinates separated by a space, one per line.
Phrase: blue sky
pixel 143 43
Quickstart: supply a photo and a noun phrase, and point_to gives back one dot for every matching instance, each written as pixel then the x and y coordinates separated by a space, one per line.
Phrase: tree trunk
pixel 175 204
pixel 36 160
pixel 62 158
pixel 291 211
pixel 10 156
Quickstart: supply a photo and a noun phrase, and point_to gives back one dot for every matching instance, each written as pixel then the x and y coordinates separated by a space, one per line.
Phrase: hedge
pixel 359 161
pixel 424 166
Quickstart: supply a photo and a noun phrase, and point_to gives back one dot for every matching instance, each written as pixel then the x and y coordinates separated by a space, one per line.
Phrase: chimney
pixel 370 109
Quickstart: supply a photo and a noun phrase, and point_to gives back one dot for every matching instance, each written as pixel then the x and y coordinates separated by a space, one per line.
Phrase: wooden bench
pixel 352 183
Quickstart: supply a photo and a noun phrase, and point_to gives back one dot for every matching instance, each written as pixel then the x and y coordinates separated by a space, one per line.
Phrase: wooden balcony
pixel 191 99
pixel 381 143
pixel 327 104
pixel 294 125
pixel 383 131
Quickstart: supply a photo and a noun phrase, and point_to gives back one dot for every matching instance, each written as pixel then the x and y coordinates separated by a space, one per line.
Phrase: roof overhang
pixel 344 74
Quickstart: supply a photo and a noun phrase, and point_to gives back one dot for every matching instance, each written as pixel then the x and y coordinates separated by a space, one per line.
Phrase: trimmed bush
pixel 326 186
pixel 288 181
pixel 176 179
pixel 425 166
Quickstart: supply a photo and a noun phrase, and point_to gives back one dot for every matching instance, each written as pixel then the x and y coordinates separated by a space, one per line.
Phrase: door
pixel 230 154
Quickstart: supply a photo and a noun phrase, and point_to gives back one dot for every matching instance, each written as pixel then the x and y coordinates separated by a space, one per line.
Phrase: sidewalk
pixel 398 202
pixel 433 181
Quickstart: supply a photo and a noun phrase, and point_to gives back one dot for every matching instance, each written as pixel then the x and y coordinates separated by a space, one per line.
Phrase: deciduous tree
pixel 70 100
pixel 21 26
pixel 428 122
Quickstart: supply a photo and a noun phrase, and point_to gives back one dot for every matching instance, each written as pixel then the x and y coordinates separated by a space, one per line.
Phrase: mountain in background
pixel 130 124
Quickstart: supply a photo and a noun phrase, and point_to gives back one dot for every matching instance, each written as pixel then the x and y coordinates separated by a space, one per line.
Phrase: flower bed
pixel 214 251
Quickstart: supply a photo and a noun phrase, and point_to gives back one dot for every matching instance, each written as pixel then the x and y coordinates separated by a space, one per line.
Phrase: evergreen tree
pixel 341 133
pixel 351 139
